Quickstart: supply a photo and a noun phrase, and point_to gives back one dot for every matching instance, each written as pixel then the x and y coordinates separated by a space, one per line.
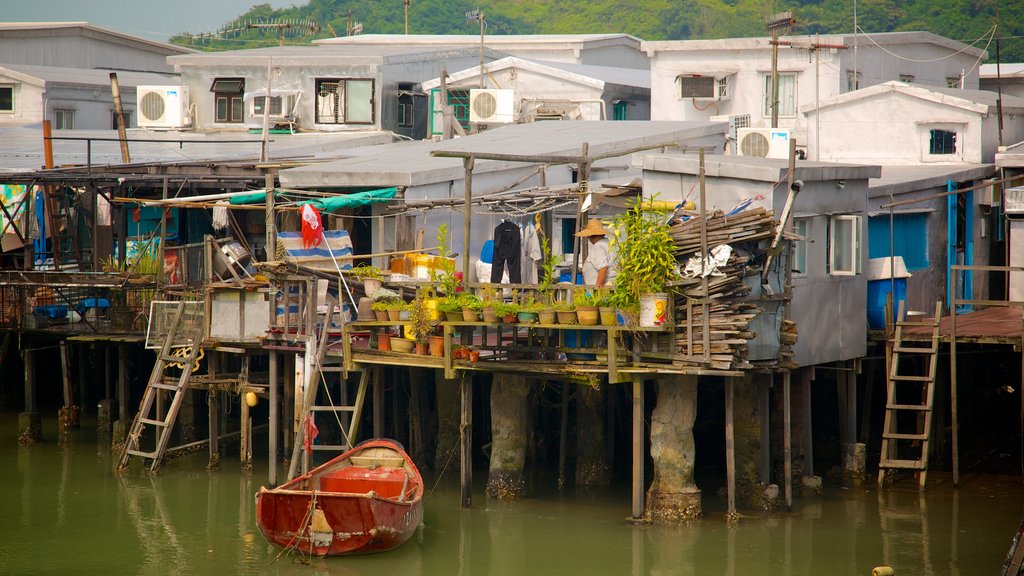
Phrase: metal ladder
pixel 314 376
pixel 896 441
pixel 159 381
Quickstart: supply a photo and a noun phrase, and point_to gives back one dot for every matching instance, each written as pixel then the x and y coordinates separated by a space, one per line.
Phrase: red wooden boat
pixel 369 499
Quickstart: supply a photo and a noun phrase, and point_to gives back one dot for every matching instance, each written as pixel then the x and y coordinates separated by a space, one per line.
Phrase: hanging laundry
pixel 530 254
pixel 220 215
pixel 507 252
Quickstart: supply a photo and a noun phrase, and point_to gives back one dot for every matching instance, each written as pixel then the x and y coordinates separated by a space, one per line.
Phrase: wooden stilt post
pixel 274 419
pixel 415 413
pixel 378 402
pixel 288 418
pixel 466 441
pixel 805 381
pixel 851 403
pixel 787 439
pixel 82 368
pixel 764 410
pixel 108 376
pixel 730 448
pixel 954 416
pixel 29 358
pixel 122 384
pixel 638 446
pixel 563 438
pixel 244 451
pixel 213 414
pixel 65 371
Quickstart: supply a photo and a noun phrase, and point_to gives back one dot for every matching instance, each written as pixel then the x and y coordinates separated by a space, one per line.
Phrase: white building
pixel 70 98
pixel 896 123
pixel 532 91
pixel 616 50
pixel 698 79
pixel 319 88
pixel 1007 78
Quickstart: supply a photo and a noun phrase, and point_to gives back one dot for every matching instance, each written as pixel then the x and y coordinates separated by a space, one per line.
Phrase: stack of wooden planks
pixel 727 304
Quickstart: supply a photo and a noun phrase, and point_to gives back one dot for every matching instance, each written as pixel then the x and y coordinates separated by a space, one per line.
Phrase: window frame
pixel 766 99
pixel 126 114
pixel 855 243
pixel 228 103
pixel 257 105
pixel 61 116
pixel 908 78
pixel 956 129
pixel 13 103
pixel 340 114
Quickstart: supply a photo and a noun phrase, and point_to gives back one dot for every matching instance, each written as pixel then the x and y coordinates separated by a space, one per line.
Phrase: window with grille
pixel 941 141
pixel 259 101
pixel 344 101
pixel 844 254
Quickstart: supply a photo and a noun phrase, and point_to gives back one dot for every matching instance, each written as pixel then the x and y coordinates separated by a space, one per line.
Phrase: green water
pixel 63 512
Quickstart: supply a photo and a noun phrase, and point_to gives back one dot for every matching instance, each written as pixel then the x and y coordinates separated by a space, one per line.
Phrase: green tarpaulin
pixel 330 203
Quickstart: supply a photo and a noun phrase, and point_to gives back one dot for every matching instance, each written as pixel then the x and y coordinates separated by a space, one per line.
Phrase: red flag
pixel 311 433
pixel 312 230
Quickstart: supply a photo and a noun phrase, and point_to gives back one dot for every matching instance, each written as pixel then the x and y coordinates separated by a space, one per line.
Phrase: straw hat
pixel 593 228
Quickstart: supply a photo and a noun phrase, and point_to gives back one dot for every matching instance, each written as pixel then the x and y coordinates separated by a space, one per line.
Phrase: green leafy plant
pixel 563 306
pixel 447 281
pixel 532 305
pixel 451 303
pixel 645 249
pixel 506 308
pixel 421 324
pixel 582 298
pixel 471 301
pixel 366 271
pixel 548 267
pixel 383 294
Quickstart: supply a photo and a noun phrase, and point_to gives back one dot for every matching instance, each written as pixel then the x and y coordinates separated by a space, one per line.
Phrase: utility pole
pixel 407 16
pixel 479 17
pixel 777 24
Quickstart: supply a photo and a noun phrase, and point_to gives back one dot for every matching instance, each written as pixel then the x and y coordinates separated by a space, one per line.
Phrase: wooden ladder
pixel 906 446
pixel 159 381
pixel 315 377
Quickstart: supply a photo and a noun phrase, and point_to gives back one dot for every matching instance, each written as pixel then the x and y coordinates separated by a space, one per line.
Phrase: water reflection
pixel 191 521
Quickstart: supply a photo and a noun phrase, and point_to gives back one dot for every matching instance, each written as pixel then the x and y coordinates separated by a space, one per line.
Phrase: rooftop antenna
pixel 353 27
pixel 290 27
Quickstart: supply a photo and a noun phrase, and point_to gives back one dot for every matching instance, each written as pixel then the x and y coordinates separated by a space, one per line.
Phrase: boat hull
pixel 339 509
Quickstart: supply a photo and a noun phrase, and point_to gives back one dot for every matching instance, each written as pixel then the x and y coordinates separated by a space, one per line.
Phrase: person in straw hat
pixel 599 267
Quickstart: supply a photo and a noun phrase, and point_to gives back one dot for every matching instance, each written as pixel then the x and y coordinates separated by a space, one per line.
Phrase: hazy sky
pixel 152 19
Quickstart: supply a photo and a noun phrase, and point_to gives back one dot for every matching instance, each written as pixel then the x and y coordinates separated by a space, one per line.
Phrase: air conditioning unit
pixel 276 113
pixel 1013 202
pixel 763 142
pixel 163 106
pixel 701 87
pixel 491 106
pixel 736 121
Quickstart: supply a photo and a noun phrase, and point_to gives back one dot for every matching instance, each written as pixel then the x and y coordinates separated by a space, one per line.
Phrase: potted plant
pixel 488 308
pixel 646 255
pixel 370 275
pixel 586 307
pixel 507 312
pixel 380 310
pixel 565 311
pixel 528 311
pixel 451 307
pixel 471 307
pixel 421 323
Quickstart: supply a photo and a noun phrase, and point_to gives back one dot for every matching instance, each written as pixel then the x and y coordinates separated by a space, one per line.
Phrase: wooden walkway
pixel 995 325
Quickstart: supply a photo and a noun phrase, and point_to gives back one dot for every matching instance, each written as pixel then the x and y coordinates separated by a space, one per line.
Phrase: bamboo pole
pixel 274 418
pixel 787 439
pixel 730 448
pixel 467 216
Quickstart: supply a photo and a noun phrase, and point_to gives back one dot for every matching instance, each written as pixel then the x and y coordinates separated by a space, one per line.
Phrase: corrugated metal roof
pixel 31 26
pixel 989 70
pixel 624 76
pixel 22 148
pixel 91 77
pixel 918 177
pixel 410 164
pixel 321 54
pixel 474 39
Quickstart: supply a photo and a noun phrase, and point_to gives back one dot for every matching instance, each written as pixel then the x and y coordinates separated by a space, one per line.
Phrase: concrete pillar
pixel 508 437
pixel 104 414
pixel 752 487
pixel 673 496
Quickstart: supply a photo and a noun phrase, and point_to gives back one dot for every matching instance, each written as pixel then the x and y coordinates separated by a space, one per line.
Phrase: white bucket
pixel 653 310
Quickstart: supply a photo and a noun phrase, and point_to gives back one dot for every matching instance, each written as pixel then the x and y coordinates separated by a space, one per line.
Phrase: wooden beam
pixel 563 434
pixel 765 414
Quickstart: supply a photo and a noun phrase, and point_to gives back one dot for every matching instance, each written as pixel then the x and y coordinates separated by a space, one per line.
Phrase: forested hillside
pixel 969 21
